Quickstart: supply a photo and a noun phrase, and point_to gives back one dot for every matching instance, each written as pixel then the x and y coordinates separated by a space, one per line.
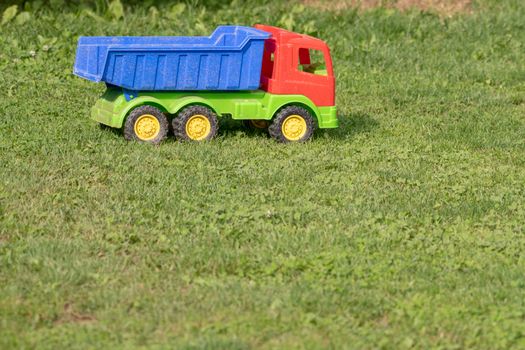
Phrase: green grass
pixel 404 228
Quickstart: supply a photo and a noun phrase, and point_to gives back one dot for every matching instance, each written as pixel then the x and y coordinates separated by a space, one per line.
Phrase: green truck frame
pixel 113 107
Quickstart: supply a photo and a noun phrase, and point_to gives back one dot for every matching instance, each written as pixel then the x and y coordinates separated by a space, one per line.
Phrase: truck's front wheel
pixel 292 124
pixel 146 124
pixel 195 123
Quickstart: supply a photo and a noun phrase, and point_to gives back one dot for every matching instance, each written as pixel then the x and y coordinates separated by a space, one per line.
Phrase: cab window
pixel 268 60
pixel 312 61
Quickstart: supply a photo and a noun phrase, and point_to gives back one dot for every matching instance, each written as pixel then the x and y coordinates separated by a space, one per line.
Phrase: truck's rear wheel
pixel 146 124
pixel 292 124
pixel 195 123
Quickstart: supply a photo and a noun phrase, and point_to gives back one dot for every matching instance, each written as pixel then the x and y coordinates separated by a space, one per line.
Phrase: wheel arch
pixel 306 104
pixel 141 101
pixel 192 101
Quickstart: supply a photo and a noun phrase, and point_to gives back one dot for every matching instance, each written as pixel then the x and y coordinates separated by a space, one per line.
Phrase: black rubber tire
pixel 275 128
pixel 248 123
pixel 179 123
pixel 129 125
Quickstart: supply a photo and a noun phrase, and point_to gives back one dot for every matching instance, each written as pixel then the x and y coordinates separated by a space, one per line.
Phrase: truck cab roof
pixel 285 36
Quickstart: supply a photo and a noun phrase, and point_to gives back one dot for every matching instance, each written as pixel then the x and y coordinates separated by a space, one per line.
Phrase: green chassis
pixel 114 105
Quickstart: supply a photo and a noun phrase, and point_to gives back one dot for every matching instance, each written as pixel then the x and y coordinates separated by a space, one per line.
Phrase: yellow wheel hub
pixel 294 127
pixel 147 127
pixel 198 127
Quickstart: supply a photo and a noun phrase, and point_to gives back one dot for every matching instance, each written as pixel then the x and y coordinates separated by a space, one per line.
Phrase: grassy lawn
pixel 404 228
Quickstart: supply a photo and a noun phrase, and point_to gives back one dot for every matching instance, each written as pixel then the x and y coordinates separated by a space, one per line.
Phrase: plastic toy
pixel 267 76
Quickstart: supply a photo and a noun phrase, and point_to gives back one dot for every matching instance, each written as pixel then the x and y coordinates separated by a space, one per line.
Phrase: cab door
pixel 312 74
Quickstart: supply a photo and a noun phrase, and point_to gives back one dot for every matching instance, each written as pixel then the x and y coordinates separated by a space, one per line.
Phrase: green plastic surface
pixel 112 107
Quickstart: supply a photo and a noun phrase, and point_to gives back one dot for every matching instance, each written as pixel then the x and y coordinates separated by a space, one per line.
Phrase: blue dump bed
pixel 229 59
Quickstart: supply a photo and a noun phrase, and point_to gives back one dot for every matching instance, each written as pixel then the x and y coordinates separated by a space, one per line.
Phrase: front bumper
pixel 327 117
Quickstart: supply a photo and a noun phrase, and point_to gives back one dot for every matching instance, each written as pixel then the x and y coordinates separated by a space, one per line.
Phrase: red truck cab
pixel 297 64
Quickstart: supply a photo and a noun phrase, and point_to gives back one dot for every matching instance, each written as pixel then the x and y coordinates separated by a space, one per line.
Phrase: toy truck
pixel 266 76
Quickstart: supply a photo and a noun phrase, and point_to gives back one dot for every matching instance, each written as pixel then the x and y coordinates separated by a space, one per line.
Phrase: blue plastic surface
pixel 229 59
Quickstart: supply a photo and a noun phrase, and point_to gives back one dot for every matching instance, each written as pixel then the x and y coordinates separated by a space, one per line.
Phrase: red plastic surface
pixel 284 54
